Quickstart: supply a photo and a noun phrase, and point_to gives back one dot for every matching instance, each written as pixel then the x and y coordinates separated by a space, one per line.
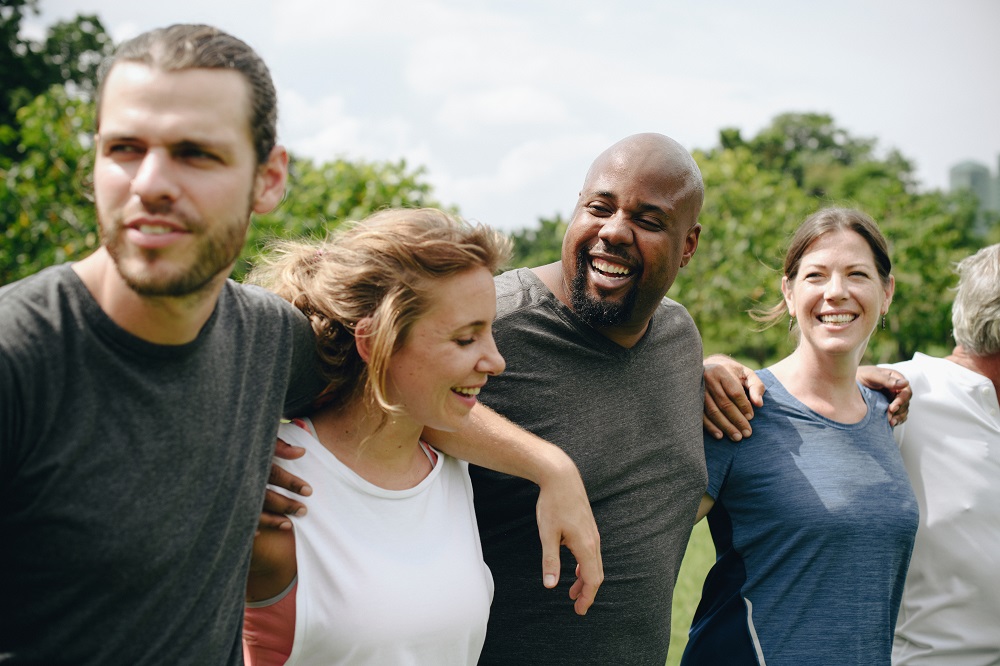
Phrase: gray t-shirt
pixel 132 474
pixel 631 420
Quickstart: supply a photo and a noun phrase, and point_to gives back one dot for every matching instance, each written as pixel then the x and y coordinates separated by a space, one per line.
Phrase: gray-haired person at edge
pixel 813 517
pixel 950 610
pixel 140 389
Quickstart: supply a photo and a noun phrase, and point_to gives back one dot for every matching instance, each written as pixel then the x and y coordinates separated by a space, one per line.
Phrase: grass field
pixel 698 560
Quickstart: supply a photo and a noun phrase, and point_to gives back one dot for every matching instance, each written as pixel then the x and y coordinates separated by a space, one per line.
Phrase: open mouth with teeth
pixel 838 318
pixel 609 269
pixel 467 391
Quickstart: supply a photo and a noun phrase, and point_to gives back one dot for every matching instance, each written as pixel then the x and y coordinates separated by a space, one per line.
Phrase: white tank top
pixel 386 576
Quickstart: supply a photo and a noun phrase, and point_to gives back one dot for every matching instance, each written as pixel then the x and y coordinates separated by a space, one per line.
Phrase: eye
pixel 196 153
pixel 599 209
pixel 122 149
pixel 651 224
pixel 464 342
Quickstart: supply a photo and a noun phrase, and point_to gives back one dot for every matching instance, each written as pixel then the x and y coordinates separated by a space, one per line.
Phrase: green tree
pixel 321 197
pixel 539 246
pixel 748 214
pixel 45 209
pixel 69 55
pixel 758 191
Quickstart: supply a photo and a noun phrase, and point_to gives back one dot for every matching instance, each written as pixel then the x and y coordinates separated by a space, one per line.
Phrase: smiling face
pixel 634 227
pixel 837 295
pixel 176 176
pixel 448 353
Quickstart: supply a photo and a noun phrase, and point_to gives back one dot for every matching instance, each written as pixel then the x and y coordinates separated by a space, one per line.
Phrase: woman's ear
pixel 786 293
pixel 362 342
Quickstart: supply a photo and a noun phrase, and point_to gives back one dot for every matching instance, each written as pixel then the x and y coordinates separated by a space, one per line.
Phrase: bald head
pixel 659 160
pixel 634 227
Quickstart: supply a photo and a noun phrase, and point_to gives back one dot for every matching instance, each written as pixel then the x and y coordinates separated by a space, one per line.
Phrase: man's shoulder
pixel 259 303
pixel 673 319
pixel 40 285
pixel 518 289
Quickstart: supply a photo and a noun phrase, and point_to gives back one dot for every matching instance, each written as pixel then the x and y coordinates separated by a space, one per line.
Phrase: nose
pixel 491 362
pixel 836 288
pixel 154 180
pixel 616 230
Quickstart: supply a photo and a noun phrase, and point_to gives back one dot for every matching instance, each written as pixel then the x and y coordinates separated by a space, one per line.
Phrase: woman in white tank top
pixel 387 568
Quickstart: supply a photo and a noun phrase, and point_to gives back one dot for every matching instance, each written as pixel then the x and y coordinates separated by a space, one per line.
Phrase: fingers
pixel 727 408
pixel 571 524
pixel 277 508
pixel 283 449
pixel 899 408
pixel 551 565
pixel 282 478
pixel 586 549
pixel 589 577
pixel 755 390
pixel 893 385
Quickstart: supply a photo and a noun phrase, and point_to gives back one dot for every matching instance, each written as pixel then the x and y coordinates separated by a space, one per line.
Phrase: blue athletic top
pixel 813 525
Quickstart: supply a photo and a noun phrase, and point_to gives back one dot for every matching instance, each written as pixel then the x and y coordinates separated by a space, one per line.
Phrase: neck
pixel 388 456
pixel 164 320
pixel 987 366
pixel 829 387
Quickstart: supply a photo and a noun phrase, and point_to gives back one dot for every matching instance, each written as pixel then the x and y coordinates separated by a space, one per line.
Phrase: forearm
pixel 491 441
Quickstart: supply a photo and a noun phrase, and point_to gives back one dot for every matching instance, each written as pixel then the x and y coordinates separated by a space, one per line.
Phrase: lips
pixel 154 234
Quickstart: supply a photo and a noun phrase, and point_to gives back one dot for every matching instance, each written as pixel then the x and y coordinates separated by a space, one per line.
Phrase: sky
pixel 505 103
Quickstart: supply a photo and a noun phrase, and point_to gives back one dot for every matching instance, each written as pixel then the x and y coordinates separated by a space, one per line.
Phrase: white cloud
pixel 476 111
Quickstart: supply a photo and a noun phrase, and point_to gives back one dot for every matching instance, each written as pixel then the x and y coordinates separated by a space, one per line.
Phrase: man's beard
pixel 212 254
pixel 592 309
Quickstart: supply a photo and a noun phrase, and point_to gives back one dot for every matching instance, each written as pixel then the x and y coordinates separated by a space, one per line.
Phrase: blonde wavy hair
pixel 383 269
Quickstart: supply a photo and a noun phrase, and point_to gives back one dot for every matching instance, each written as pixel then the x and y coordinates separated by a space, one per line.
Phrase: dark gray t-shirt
pixel 631 420
pixel 132 474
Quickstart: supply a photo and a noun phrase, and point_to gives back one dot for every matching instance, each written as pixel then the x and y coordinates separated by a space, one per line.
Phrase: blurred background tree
pixel 757 191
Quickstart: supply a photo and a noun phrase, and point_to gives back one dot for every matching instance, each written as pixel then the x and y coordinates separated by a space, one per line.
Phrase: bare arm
pixel 563 510
pixel 704 506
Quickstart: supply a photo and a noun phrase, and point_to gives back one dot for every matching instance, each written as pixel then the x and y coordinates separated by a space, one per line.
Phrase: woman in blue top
pixel 813 517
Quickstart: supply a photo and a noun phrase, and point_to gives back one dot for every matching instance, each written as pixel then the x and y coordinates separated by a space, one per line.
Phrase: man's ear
pixel 269 183
pixel 362 342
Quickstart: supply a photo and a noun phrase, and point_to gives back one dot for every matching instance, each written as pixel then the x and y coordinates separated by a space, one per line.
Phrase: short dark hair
pixel 191 46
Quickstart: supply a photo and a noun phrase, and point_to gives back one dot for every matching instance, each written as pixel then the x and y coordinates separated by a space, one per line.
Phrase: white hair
pixel 975 314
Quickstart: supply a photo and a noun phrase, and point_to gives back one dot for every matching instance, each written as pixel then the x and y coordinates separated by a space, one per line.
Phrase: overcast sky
pixel 507 102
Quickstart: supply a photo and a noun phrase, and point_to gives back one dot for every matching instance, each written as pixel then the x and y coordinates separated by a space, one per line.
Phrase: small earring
pixel 883 322
pixel 791 320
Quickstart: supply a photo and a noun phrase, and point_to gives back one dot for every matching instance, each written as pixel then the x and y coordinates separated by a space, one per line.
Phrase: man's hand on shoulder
pixel 732 390
pixel 893 385
pixel 278 507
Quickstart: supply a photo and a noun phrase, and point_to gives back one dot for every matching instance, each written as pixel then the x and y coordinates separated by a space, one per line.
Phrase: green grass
pixel 698 559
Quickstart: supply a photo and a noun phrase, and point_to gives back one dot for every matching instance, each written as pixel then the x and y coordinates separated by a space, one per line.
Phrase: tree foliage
pixel 321 197
pixel 46 214
pixel 69 55
pixel 541 245
pixel 758 190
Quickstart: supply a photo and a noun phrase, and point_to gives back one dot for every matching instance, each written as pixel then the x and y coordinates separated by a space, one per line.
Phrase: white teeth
pixel 837 318
pixel 614 269
pixel 154 230
pixel 466 391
